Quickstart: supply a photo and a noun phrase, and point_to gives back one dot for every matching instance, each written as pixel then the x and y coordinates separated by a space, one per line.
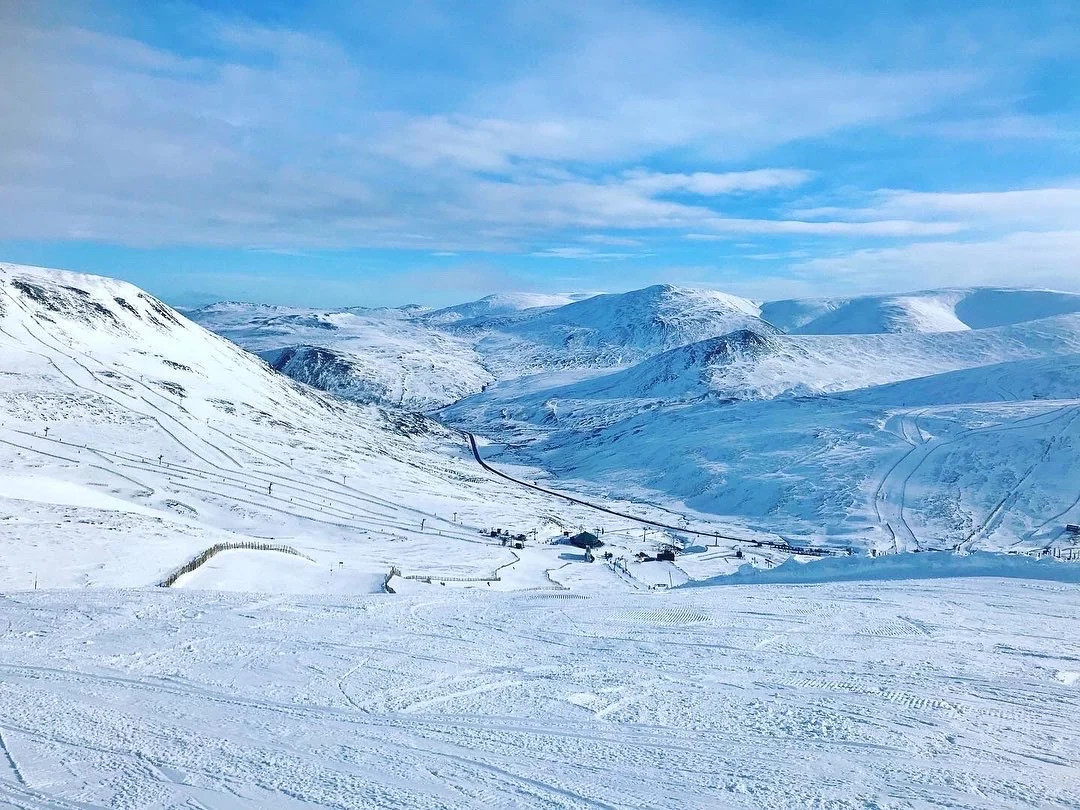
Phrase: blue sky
pixel 381 153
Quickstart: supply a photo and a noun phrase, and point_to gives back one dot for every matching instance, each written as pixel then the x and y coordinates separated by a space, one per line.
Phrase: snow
pixel 497 304
pixel 269 572
pixel 389 357
pixel 133 440
pixel 926 311
pixel 924 440
pixel 427 360
pixel 45 490
pixel 958 693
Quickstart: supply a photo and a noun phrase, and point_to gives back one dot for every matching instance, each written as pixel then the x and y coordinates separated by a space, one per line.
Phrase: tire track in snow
pixel 10 757
pixel 927 449
pixel 59 350
pixel 997 514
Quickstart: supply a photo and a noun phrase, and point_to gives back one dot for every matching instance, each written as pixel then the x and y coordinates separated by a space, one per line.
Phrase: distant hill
pixel 495 305
pixel 926 311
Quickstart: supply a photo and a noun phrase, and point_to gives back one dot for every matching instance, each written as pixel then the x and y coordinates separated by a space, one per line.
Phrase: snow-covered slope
pixel 633 394
pixel 421 360
pixel 1045 378
pixel 620 328
pixel 428 360
pixel 697 369
pixel 926 311
pixel 749 364
pixel 494 306
pixel 916 694
pixel 133 439
pixel 805 434
pixel 386 356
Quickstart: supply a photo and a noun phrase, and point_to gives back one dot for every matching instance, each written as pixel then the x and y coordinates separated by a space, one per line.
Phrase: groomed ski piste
pixel 280 673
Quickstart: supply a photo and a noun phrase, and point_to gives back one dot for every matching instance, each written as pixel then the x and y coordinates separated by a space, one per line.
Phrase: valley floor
pixel 960 693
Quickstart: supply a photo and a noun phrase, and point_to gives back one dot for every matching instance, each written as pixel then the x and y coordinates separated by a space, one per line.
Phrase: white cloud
pixel 1045 207
pixel 1054 208
pixel 283 139
pixel 1041 259
pixel 709 184
pixel 580 253
pixel 609 239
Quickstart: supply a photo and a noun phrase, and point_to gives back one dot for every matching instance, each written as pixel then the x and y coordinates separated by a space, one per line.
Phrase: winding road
pixel 626 516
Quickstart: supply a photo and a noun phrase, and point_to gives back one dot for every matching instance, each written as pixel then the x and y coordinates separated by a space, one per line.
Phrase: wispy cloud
pixel 1039 259
pixel 579 253
pixel 709 184
pixel 587 132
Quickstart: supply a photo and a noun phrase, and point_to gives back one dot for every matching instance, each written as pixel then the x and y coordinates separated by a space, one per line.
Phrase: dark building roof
pixel 586 540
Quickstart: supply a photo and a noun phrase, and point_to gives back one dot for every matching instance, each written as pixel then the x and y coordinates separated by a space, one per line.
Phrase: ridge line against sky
pixel 432 152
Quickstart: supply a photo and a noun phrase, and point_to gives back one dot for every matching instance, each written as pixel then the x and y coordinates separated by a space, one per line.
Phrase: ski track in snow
pixel 912 694
pixel 521 678
pixel 890 499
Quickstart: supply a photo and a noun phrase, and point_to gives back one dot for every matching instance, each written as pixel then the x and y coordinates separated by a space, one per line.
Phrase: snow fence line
pixel 429 577
pixel 921 565
pixel 217 548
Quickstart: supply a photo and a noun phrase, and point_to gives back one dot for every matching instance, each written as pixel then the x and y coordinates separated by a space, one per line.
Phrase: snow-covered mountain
pixel 687 405
pixel 431 359
pixel 132 439
pixel 799 432
pixel 417 359
pixel 927 311
pixel 496 305
pixel 619 328
pixel 384 356
pixel 764 364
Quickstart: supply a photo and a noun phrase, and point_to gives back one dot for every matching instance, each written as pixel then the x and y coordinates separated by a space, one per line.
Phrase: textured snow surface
pixel 132 440
pixel 947 693
pixel 420 359
pixel 162 432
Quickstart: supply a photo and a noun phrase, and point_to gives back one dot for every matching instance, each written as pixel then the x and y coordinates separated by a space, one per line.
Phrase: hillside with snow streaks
pixel 783 417
pixel 383 356
pixel 892 440
pixel 421 360
pixel 133 439
pixel 616 329
pixel 681 405
pixel 749 364
pixel 426 360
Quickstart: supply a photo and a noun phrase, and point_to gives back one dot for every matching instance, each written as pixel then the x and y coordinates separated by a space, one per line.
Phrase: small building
pixel 585 540
pixel 1072 528
pixel 667 551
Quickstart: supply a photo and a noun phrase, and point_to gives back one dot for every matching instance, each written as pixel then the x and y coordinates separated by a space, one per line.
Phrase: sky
pixel 373 153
